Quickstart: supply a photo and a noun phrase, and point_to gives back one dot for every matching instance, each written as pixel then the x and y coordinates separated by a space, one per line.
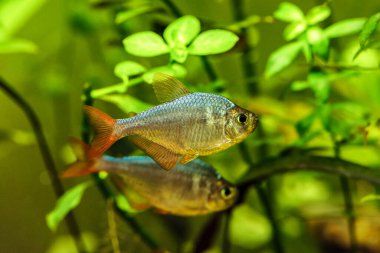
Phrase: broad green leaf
pixel 318 14
pixel 214 41
pixel 345 27
pixel 182 31
pixel 288 12
pixel 370 197
pixel 304 125
pixel 126 102
pixel 145 44
pixel 175 70
pixel 123 204
pixel 368 29
pixel 294 29
pixel 67 202
pixel 282 57
pixel 134 12
pixel 15 13
pixel 126 69
pixel 178 54
pixel 300 85
pixel 17 46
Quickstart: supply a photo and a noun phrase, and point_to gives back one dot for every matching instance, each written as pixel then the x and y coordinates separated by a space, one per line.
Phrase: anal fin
pixel 164 157
pixel 187 158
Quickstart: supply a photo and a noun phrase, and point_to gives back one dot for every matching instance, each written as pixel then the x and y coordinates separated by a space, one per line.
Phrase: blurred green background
pixel 50 49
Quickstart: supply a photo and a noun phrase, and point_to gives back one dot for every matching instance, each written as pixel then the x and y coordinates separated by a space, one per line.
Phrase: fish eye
pixel 226 192
pixel 242 118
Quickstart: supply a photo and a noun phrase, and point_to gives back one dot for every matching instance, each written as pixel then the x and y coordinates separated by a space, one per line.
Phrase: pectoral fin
pixel 168 88
pixel 187 158
pixel 164 157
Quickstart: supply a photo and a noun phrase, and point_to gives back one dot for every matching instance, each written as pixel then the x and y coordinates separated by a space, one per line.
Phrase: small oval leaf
pixel 282 57
pixel 126 69
pixel 288 12
pixel 182 31
pixel 67 202
pixel 214 41
pixel 318 14
pixel 345 27
pixel 175 70
pixel 145 44
pixel 368 29
pixel 293 30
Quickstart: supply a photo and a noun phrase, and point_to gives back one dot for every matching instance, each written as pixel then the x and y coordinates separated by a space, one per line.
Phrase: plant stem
pixel 348 201
pixel 103 187
pixel 48 159
pixel 280 165
pixel 252 86
pixel 248 66
pixel 265 200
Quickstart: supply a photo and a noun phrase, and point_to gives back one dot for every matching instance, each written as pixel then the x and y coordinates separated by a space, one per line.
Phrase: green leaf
pixel 320 43
pixel 320 84
pixel 15 13
pixel 126 103
pixel 17 46
pixel 175 70
pixel 304 125
pixel 145 44
pixel 182 31
pixel 299 85
pixel 67 202
pixel 369 29
pixel 317 14
pixel 134 12
pixel 126 69
pixel 294 29
pixel 282 57
pixel 288 12
pixel 179 54
pixel 370 197
pixel 345 27
pixel 123 204
pixel 214 41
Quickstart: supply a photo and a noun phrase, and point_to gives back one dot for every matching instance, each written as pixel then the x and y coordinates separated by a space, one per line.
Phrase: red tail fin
pixel 104 127
pixel 83 166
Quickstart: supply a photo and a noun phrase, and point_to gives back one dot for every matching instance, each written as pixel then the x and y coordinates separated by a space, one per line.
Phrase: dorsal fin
pixel 167 88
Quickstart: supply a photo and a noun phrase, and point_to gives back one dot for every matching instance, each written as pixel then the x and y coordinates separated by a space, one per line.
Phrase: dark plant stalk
pixel 48 159
pixel 248 66
pixel 105 189
pixel 348 202
pixel 264 199
pixel 293 163
pixel 252 86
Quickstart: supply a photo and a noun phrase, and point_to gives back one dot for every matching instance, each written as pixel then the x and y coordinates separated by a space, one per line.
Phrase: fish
pixel 186 124
pixel 187 190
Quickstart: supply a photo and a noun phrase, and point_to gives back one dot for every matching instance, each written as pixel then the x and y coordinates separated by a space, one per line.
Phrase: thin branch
pixel 294 163
pixel 47 157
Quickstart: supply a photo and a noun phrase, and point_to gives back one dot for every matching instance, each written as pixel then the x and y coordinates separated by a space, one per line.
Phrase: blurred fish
pixel 191 189
pixel 186 124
